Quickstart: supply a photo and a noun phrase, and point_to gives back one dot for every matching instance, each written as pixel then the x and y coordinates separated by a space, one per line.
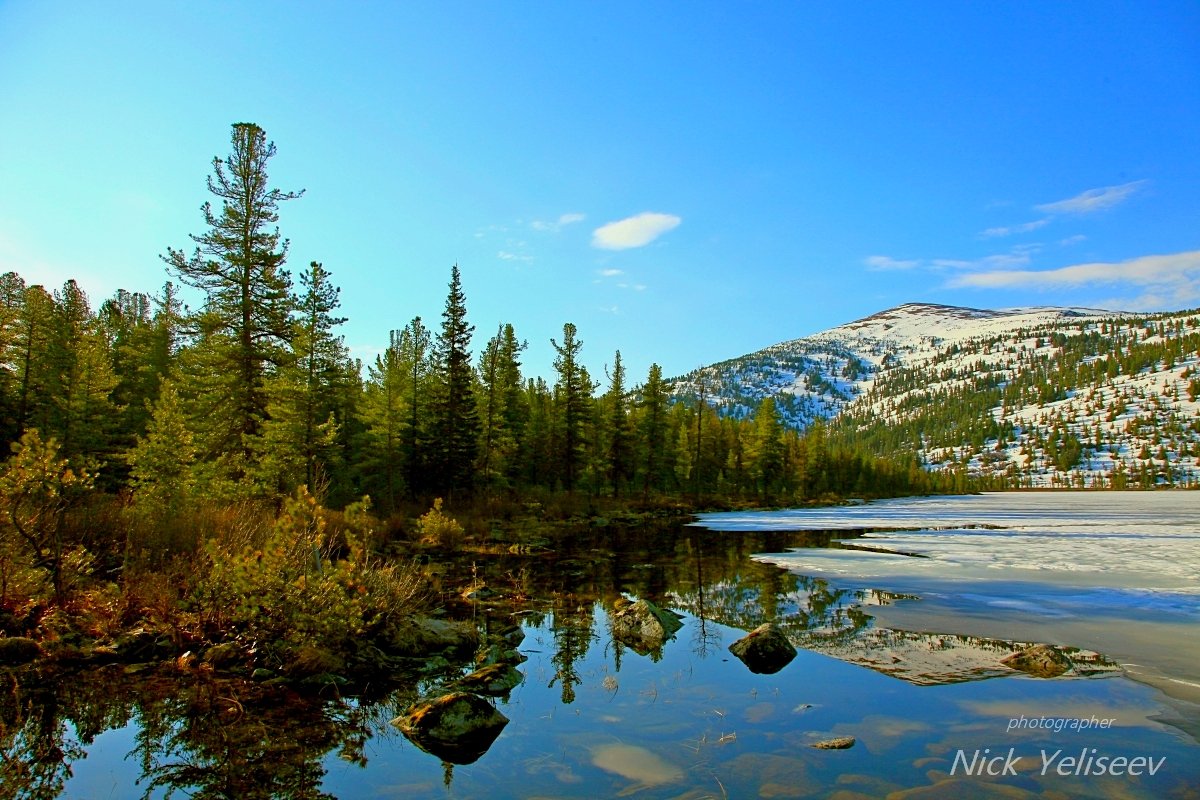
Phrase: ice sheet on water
pixel 1125 540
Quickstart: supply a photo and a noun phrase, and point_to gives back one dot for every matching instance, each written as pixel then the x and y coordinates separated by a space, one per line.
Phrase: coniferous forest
pixel 207 468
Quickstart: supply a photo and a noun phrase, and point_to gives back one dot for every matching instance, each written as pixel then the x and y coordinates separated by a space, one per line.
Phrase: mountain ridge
pixel 917 363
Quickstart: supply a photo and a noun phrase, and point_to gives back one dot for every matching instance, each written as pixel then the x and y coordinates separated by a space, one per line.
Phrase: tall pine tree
pixel 245 323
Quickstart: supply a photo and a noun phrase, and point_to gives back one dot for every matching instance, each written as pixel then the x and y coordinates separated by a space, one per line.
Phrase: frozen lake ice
pixel 1116 572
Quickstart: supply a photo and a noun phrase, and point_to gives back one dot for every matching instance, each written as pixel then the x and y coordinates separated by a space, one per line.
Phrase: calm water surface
pixel 922 693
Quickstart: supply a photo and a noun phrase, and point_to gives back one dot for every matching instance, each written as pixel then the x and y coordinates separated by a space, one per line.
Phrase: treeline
pixel 254 393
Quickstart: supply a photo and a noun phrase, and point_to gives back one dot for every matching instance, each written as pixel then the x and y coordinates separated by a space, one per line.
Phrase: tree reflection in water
pixel 211 737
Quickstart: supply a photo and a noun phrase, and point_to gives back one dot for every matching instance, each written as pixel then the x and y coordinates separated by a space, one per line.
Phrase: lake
pixel 901 611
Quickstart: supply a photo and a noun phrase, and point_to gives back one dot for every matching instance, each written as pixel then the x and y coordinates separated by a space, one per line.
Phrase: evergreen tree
pixel 500 411
pixel 127 322
pixel 572 397
pixel 415 361
pixel 301 431
pixel 160 462
pixel 538 442
pixel 455 415
pixel 618 429
pixel 768 451
pixel 12 304
pixel 383 414
pixel 653 430
pixel 238 262
pixel 81 378
pixel 31 360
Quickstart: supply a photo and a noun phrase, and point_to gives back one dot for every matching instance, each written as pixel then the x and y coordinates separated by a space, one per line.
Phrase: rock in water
pixel 643 626
pixel 494 679
pixel 765 650
pixel 458 727
pixel 840 743
pixel 1041 660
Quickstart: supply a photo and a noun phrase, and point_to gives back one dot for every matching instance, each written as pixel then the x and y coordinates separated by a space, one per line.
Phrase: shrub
pixel 36 489
pixel 437 528
pixel 292 594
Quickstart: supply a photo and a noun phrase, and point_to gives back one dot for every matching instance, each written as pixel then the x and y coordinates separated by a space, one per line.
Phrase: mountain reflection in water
pixel 150 732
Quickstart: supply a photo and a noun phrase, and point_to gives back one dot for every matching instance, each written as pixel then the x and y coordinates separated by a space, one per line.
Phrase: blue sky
pixel 683 182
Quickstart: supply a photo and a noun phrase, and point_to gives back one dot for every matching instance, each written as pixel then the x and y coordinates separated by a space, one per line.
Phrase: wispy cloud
pixel 610 273
pixel 1093 200
pixel 1018 256
pixel 554 226
pixel 636 231
pixel 507 255
pixel 1163 280
pixel 1025 227
pixel 886 263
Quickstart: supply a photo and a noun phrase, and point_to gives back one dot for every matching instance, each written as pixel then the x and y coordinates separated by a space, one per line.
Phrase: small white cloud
pixel 886 263
pixel 636 231
pixel 611 273
pixel 1024 227
pixel 1070 240
pixel 1092 200
pixel 506 255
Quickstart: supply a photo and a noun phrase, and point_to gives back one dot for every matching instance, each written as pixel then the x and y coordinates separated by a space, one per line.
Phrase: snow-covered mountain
pixel 1044 396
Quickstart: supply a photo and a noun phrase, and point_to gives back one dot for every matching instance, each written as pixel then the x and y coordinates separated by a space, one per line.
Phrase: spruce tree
pixel 31 360
pixel 301 430
pixel 81 378
pixel 500 411
pixel 454 412
pixel 415 361
pixel 653 431
pixel 12 303
pixel 619 433
pixel 383 414
pixel 572 396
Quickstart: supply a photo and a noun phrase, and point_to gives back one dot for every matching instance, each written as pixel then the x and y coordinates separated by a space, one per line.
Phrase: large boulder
pixel 643 626
pixel 765 650
pixel 458 727
pixel 1040 660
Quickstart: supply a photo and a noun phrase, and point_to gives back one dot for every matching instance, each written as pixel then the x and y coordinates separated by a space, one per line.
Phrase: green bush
pixel 437 528
pixel 302 589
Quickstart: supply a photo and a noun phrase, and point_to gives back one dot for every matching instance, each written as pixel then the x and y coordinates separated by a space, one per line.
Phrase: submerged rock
pixel 643 626
pixel 423 637
pixel 1040 660
pixel 458 727
pixel 637 764
pixel 765 650
pixel 17 650
pixel 839 743
pixel 494 679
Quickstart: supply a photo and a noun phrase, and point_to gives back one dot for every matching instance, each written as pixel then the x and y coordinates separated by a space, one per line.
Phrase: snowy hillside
pixel 1030 396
